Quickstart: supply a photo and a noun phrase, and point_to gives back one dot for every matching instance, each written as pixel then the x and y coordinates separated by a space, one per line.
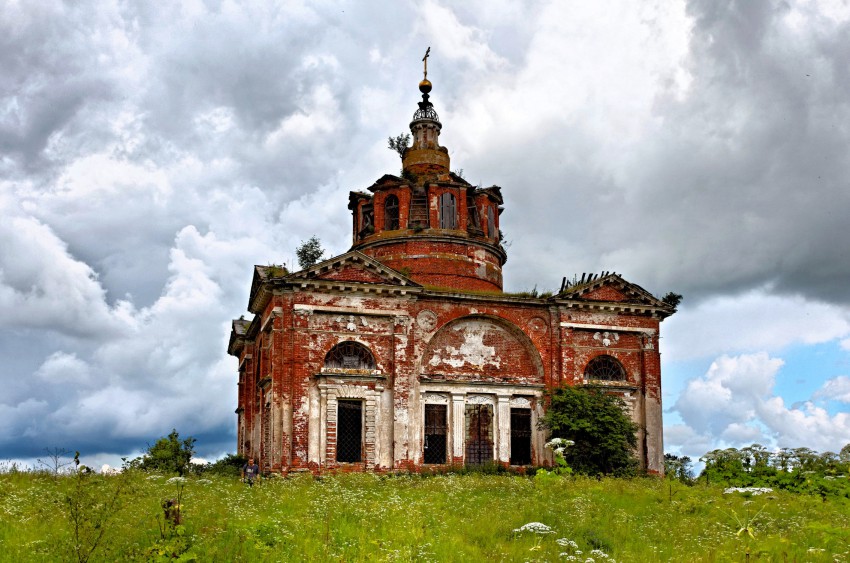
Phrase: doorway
pixel 479 434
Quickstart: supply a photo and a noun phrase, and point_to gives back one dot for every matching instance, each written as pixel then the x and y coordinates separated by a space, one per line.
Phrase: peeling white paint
pixel 472 352
pixel 401 348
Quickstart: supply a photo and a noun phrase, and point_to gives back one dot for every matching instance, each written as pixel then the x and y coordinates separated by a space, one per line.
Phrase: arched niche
pixel 482 348
pixel 349 355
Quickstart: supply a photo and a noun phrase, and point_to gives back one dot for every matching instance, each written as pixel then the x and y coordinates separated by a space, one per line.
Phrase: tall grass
pixel 366 517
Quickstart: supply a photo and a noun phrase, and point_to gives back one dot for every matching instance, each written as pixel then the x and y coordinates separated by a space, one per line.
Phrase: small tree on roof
pixel 399 143
pixel 309 252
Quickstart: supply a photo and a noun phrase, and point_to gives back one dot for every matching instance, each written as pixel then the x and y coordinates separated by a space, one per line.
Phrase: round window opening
pixel 605 368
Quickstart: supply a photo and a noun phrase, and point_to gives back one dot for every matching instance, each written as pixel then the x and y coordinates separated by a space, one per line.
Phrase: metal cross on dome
pixel 425 60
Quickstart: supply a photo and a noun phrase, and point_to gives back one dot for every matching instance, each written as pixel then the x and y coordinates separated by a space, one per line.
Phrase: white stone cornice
pixel 615 328
pixel 347 310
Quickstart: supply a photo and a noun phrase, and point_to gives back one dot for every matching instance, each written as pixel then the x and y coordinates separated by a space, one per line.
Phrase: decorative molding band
pixel 480 400
pixel 356 375
pixel 520 402
pixel 348 310
pixel 435 398
pixel 354 287
pixel 580 326
pixel 431 381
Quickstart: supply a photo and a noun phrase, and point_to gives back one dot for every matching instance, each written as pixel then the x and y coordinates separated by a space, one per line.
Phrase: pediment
pixel 353 267
pixel 385 181
pixel 611 289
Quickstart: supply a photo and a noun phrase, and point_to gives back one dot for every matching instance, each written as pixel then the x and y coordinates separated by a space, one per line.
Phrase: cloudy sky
pixel 151 153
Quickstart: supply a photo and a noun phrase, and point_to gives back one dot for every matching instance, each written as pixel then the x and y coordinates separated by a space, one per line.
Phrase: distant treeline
pixel 801 470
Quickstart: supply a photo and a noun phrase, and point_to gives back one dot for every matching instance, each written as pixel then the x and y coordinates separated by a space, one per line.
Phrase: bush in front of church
pixel 604 436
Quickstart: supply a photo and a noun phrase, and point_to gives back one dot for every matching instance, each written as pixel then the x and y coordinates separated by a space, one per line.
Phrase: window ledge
pixel 373 375
pixel 624 385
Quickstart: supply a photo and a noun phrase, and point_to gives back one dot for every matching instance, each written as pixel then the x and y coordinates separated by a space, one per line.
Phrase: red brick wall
pixel 604 293
pixel 459 265
pixel 352 274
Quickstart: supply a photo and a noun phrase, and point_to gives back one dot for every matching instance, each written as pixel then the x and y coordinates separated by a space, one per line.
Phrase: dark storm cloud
pixel 731 175
pixel 48 76
pixel 745 183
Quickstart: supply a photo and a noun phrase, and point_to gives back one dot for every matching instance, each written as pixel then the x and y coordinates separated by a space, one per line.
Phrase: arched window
pixel 349 355
pixel 448 211
pixel 605 368
pixel 491 222
pixel 473 222
pixel 367 226
pixel 391 213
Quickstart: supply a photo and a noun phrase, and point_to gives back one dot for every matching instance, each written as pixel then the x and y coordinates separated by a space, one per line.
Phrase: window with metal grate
pixel 605 368
pixel 349 355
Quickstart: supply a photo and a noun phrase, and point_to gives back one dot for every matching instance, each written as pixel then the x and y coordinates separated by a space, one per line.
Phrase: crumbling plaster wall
pixel 431 348
pixel 633 340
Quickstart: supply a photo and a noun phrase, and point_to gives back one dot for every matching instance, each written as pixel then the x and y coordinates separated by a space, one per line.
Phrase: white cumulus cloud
pixel 734 403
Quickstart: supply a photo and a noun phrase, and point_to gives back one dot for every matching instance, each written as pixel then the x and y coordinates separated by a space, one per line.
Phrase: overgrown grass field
pixel 366 517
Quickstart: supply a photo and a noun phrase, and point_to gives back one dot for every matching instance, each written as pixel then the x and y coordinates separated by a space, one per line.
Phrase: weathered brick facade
pixel 405 352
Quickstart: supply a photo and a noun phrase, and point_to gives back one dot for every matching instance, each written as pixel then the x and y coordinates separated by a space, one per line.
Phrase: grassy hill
pixel 365 517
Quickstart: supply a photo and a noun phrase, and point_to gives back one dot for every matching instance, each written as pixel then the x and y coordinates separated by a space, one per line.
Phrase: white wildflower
pixel 750 490
pixel 534 528
pixel 599 553
pixel 564 542
pixel 177 480
pixel 559 443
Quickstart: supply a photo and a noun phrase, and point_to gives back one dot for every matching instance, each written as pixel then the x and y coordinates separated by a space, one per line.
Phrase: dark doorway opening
pixel 520 436
pixel 479 434
pixel 435 433
pixel 349 431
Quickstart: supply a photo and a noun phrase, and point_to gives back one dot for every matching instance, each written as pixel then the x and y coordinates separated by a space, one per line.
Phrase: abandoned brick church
pixel 405 352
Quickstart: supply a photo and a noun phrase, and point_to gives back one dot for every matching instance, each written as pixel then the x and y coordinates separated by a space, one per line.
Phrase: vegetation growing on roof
pixel 309 252
pixel 276 271
pixel 672 299
pixel 532 293
pixel 399 143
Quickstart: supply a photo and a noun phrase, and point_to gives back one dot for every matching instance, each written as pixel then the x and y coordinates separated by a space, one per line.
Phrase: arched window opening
pixel 473 222
pixel 349 355
pixel 448 211
pixel 491 222
pixel 391 213
pixel 367 223
pixel 605 368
